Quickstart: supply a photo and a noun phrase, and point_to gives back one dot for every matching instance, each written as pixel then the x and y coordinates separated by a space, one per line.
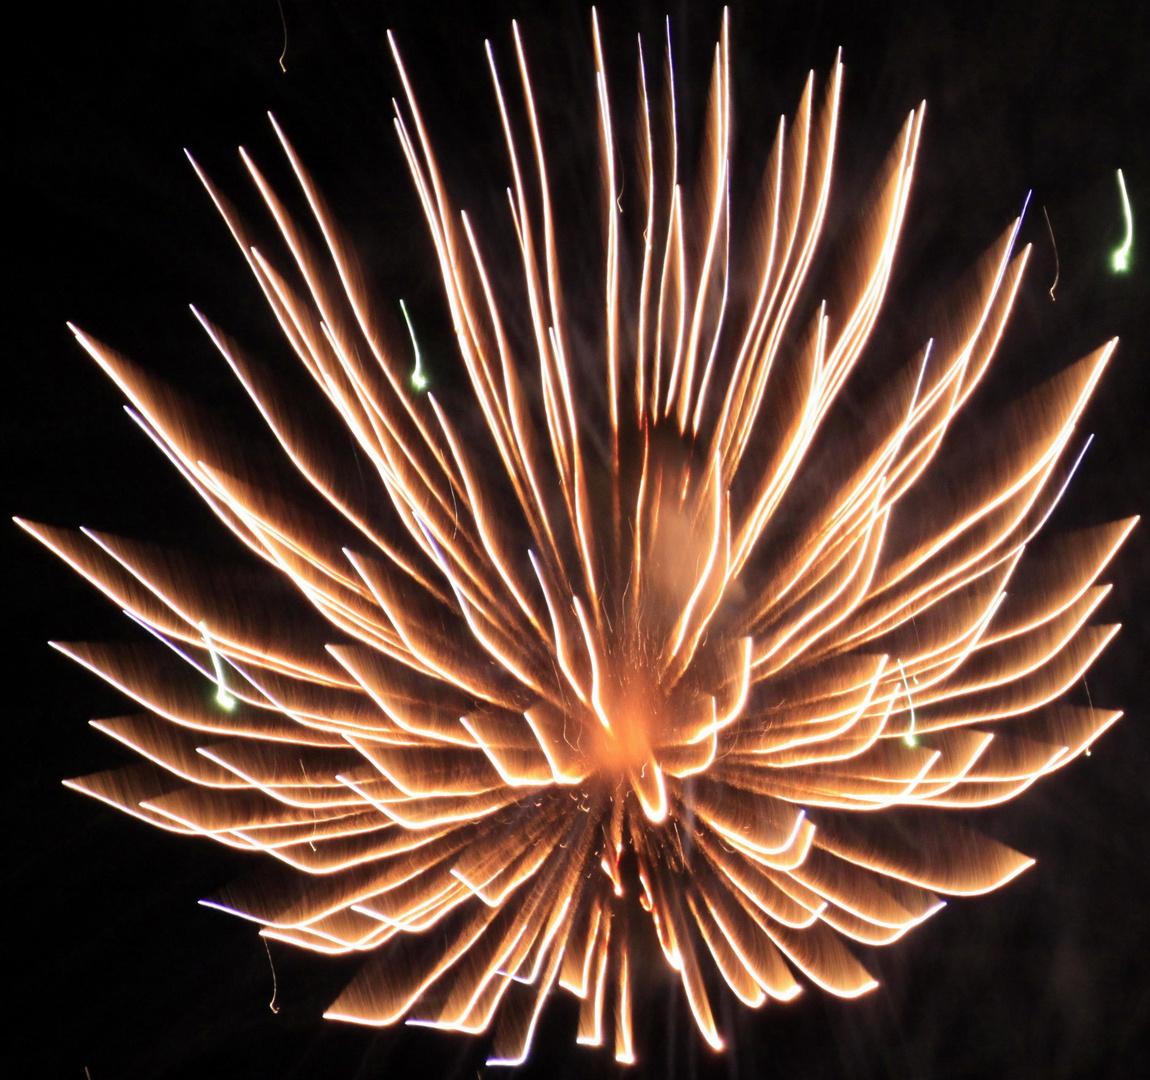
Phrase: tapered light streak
pixel 1120 260
pixel 592 661
pixel 222 696
pixel 418 379
pixel 909 738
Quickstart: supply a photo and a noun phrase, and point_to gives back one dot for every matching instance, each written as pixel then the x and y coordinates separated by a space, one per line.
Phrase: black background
pixel 109 964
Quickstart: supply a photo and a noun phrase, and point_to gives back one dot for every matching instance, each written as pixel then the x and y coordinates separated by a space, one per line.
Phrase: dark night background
pixel 109 964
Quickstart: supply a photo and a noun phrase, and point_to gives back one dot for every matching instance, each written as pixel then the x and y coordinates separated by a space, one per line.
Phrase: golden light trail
pixel 671 653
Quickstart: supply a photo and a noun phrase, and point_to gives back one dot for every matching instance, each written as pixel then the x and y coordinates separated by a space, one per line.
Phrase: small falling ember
pixel 283 53
pixel 418 379
pixel 615 654
pixel 1054 246
pixel 1121 257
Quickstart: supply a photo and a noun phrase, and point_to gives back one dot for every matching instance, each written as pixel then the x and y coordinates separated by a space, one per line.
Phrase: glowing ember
pixel 676 650
pixel 1120 260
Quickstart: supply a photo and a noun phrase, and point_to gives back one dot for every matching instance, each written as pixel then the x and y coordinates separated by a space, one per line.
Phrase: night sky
pixel 110 964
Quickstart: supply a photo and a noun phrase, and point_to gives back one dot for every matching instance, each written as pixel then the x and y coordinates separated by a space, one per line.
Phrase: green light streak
pixel 418 379
pixel 223 698
pixel 909 738
pixel 1121 258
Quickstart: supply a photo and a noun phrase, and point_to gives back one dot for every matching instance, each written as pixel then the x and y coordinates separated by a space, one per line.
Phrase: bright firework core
pixel 542 656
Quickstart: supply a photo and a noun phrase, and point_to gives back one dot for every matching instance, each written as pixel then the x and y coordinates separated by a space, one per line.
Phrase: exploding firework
pixel 659 625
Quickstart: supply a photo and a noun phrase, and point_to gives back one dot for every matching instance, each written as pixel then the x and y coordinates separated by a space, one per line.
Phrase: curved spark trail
pixel 418 379
pixel 630 649
pixel 1054 246
pixel 1121 257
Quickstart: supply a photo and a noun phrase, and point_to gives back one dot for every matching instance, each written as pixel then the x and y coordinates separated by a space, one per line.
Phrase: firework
pixel 656 626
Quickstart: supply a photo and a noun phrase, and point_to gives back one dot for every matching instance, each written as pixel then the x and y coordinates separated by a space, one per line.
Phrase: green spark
pixel 223 698
pixel 1121 258
pixel 418 379
pixel 909 738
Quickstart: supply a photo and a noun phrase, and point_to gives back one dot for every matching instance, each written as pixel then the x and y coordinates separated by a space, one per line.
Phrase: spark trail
pixel 1121 257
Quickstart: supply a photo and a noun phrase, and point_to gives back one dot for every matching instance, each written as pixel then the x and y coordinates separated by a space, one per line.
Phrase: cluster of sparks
pixel 667 634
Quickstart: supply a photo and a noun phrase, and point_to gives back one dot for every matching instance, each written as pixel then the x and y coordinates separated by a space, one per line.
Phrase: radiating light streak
pixel 1120 260
pixel 599 650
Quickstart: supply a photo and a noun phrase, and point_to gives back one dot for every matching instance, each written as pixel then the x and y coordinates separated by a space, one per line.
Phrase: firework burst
pixel 673 631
